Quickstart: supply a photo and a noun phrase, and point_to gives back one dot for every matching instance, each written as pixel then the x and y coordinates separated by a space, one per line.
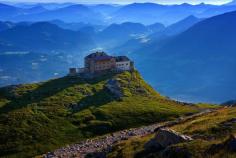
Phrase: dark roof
pixel 122 58
pixel 97 54
pixel 99 58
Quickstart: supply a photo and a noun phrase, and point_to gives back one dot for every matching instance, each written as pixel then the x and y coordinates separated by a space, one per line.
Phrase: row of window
pixel 106 66
pixel 101 67
pixel 122 64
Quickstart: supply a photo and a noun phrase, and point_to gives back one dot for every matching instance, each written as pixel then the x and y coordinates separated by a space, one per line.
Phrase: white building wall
pixel 123 65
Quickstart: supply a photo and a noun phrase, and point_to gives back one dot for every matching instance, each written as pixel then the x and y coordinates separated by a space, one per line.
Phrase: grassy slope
pixel 36 118
pixel 202 128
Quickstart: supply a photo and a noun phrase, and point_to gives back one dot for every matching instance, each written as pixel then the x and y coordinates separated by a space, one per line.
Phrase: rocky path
pixel 104 144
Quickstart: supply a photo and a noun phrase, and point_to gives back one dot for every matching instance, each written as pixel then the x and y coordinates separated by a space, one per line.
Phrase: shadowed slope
pixel 37 118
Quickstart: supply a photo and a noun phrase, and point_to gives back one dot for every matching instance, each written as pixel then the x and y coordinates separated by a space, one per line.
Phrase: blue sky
pixel 130 1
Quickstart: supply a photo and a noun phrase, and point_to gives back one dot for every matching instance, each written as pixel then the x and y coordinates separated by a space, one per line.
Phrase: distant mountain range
pixel 8 12
pixel 233 2
pixel 6 25
pixel 196 64
pixel 117 34
pixel 75 26
pixel 217 10
pixel 157 33
pixel 44 46
pixel 185 44
pixel 24 67
pixel 145 13
pixel 49 6
pixel 182 25
pixel 43 37
pixel 71 37
pixel 73 13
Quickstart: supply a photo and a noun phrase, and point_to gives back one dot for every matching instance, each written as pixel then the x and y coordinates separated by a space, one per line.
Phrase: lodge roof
pixel 96 54
pixel 121 58
pixel 100 58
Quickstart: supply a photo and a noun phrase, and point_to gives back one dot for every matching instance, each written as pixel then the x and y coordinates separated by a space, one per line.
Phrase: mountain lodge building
pixel 100 62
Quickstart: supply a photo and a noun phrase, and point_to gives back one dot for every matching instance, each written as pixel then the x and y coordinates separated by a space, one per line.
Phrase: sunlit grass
pixel 209 125
pixel 36 118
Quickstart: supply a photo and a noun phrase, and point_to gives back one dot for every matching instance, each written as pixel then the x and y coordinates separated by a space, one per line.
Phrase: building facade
pixel 100 62
pixel 122 63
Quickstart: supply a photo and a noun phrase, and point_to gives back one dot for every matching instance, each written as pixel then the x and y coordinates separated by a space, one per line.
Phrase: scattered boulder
pixel 113 86
pixel 163 140
pixel 166 137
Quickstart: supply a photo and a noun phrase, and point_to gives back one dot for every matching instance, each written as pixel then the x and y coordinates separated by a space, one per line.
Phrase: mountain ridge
pixel 38 37
pixel 203 55
pixel 65 110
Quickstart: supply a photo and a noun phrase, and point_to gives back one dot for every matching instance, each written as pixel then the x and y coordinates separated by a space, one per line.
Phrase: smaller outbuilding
pixel 122 63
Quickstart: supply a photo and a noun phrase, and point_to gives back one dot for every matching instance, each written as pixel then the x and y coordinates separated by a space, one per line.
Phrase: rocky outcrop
pixel 98 146
pixel 165 137
pixel 231 103
pixel 175 152
pixel 229 144
pixel 113 86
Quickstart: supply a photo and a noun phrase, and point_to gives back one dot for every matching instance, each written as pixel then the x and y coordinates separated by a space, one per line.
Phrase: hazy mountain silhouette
pixel 7 11
pixel 233 2
pixel 158 34
pixel 44 36
pixel 182 25
pixel 116 34
pixel 75 26
pixel 73 13
pixel 146 13
pixel 217 10
pixel 156 27
pixel 6 25
pixel 198 64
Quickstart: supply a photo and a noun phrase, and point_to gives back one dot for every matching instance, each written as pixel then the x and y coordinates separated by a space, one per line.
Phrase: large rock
pixel 176 152
pixel 164 138
pixel 113 86
pixel 229 144
pixel 153 145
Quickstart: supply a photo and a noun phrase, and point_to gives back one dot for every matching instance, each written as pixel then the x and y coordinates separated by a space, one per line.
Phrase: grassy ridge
pixel 209 129
pixel 36 118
